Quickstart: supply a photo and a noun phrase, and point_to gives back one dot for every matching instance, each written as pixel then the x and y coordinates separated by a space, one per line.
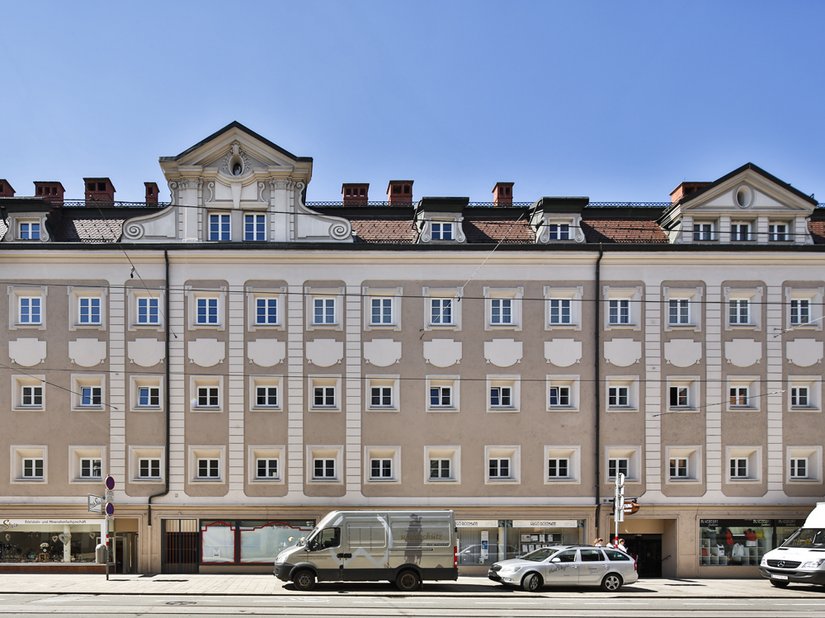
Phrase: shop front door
pixel 180 546
pixel 647 549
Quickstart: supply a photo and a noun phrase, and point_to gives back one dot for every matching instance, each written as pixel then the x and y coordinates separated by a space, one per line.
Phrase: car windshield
pixel 806 537
pixel 538 555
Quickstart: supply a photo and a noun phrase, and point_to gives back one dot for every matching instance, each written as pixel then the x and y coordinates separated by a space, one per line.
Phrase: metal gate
pixel 180 546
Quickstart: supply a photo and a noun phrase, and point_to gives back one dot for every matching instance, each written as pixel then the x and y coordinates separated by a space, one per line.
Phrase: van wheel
pixel 531 582
pixel 408 580
pixel 779 584
pixel 612 582
pixel 304 580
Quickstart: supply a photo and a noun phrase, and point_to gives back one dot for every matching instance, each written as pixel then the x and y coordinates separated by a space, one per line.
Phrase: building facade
pixel 241 361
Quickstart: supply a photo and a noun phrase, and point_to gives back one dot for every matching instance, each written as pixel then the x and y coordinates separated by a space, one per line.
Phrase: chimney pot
pixel 51 191
pixel 686 189
pixel 6 190
pixel 151 193
pixel 503 194
pixel 399 193
pixel 355 193
pixel 99 190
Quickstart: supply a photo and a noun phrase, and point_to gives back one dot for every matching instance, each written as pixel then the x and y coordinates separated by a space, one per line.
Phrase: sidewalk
pixel 268 585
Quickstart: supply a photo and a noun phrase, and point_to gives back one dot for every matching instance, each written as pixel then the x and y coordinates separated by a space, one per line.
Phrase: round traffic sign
pixel 109 482
pixel 110 509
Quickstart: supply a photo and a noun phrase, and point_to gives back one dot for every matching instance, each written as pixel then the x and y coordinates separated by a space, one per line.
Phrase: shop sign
pixel 476 523
pixel 545 523
pixel 5 524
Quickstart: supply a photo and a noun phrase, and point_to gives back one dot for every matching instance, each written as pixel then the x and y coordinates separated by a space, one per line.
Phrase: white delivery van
pixel 801 558
pixel 404 547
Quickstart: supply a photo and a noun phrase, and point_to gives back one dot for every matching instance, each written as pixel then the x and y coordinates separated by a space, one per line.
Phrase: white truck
pixel 801 558
pixel 404 547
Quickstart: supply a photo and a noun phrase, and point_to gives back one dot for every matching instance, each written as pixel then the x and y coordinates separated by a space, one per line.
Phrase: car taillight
pixel 455 556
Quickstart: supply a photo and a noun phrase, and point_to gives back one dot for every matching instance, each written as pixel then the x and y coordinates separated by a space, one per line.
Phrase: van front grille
pixel 784 564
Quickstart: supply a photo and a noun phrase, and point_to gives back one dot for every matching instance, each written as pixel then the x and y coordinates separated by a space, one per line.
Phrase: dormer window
pixel 740 232
pixel 442 230
pixel 703 232
pixel 559 231
pixel 28 230
pixel 778 232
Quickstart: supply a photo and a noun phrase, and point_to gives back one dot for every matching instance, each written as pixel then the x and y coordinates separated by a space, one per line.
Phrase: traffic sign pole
pixel 108 512
pixel 618 503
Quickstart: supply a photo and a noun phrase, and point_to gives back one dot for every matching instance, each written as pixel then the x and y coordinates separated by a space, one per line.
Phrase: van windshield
pixel 806 537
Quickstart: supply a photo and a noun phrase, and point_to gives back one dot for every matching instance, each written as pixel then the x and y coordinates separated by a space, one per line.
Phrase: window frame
pixel 259 220
pixel 501 453
pixel 219 227
pixel 441 453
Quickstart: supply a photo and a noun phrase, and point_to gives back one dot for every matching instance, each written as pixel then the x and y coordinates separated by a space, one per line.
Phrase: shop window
pixel 43 542
pixel 740 542
pixel 236 542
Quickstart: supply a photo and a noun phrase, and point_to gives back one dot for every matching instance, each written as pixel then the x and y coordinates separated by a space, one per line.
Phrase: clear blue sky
pixel 614 100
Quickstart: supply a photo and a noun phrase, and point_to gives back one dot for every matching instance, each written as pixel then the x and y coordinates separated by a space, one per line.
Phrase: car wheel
pixel 612 582
pixel 304 580
pixel 408 580
pixel 779 584
pixel 532 582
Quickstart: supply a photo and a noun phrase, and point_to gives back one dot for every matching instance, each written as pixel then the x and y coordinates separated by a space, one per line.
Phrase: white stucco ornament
pixel 503 352
pixel 87 352
pixel 325 352
pixel 622 352
pixel 442 352
pixel 382 352
pixel 683 352
pixel 266 352
pixel 743 352
pixel 804 352
pixel 206 352
pixel 563 352
pixel 27 352
pixel 146 352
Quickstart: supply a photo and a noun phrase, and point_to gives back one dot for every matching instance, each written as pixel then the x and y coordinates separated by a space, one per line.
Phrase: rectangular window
pixel 616 465
pixel 209 468
pixel 440 469
pixel 618 396
pixel 499 468
pixel 29 310
pixel 380 468
pixel 207 311
pixel 739 467
pixel 148 396
pixel 90 468
pixel 558 468
pixel 91 396
pixel 148 468
pixel 559 396
pixel 323 396
pixel 678 311
pixel 219 227
pixel 739 311
pixel 778 232
pixel 323 311
pixel 679 396
pixel 32 468
pixel 679 468
pixel 619 311
pixel 501 397
pixel 501 311
pixel 323 468
pixel 266 468
pixel 739 397
pixel 31 396
pixel 560 311
pixel 89 310
pixel 208 397
pixel 703 232
pixel 381 311
pixel 441 311
pixel 441 396
pixel 29 230
pixel 441 231
pixel 800 397
pixel 381 396
pixel 148 310
pixel 740 232
pixel 254 227
pixel 266 311
pixel 266 396
pixel 800 311
pixel 799 468
pixel 559 231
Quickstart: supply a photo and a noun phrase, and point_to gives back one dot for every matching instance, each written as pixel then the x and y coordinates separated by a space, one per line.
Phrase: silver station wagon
pixel 567 565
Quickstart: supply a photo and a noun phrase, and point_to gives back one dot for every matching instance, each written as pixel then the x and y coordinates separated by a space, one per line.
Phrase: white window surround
pixel 266 382
pixel 693 296
pixel 440 228
pixel 391 453
pixel 382 382
pixel 392 295
pixel 218 225
pixel 454 294
pixel 17 231
pixel 86 381
pixel 689 385
pixel 136 383
pixel 615 387
pixel 78 453
pixel 154 295
pixel 569 382
pixel 451 453
pixel 31 383
pixel 754 296
pixel 747 400
pixel 16 292
pixel 324 294
pixel 813 384
pixel 256 452
pixel 204 385
pixel 503 308
pixel 194 295
pixel 813 464
pixel 136 454
pixel 324 382
pixel 201 452
pixel 75 293
pixel 633 456
pixel 704 230
pixel 442 382
pixel 741 231
pixel 333 452
pixel 693 456
pixel 277 294
pixel 502 383
pixel 633 296
pixel 20 453
pixel 573 456
pixel 512 453
pixel 780 231
pixel 815 298
pixel 573 295
pixel 753 457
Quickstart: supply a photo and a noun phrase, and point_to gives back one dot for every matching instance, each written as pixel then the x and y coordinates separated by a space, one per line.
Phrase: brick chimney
pixel 503 194
pixel 355 193
pixel 99 190
pixel 6 190
pixel 152 192
pixel 51 191
pixel 399 192
pixel 686 189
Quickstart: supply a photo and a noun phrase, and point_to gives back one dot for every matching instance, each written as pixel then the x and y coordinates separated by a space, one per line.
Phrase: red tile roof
pixel 506 231
pixel 617 230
